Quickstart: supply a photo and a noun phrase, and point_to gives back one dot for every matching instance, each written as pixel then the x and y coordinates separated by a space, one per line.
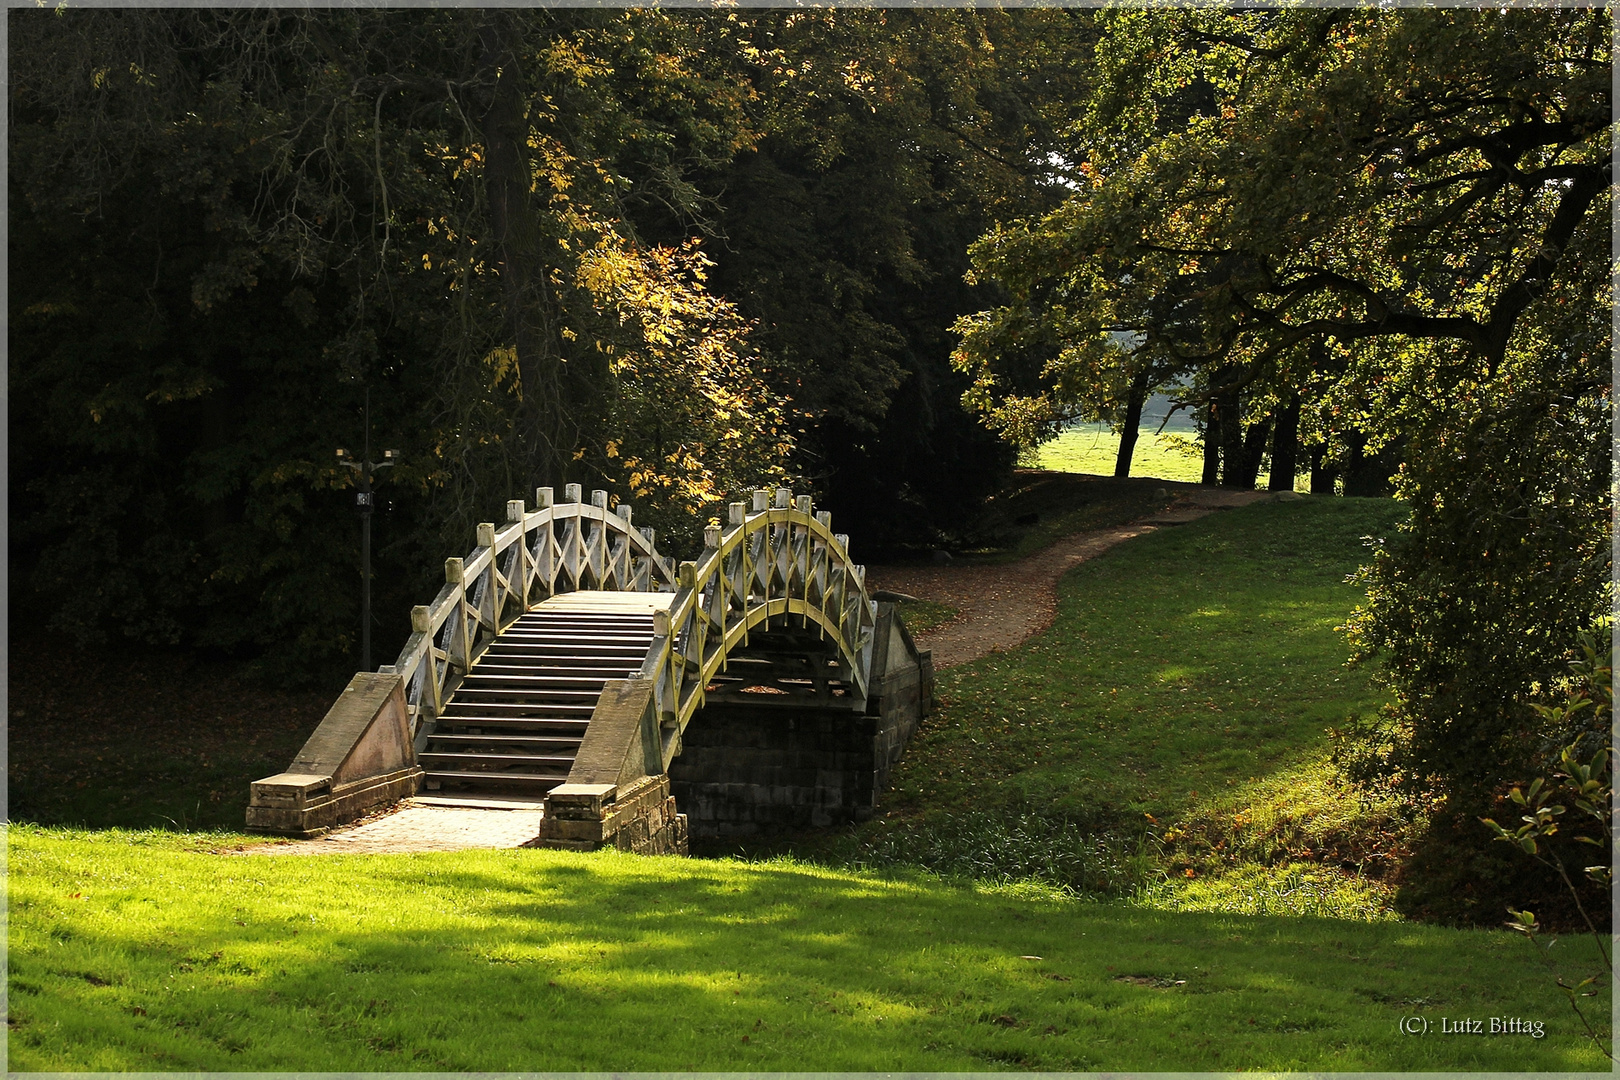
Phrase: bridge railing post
pixel 458 647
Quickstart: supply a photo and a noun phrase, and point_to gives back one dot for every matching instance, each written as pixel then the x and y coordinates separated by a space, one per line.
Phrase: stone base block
pixel 306 805
pixel 638 817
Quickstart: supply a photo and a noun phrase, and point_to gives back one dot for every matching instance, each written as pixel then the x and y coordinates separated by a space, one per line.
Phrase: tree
pixel 1340 178
pixel 232 221
pixel 1401 217
pixel 889 139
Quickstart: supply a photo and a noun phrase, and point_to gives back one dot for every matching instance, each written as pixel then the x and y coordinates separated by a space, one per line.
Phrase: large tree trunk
pixel 1285 446
pixel 1232 460
pixel 1254 451
pixel 1366 475
pixel 1133 420
pixel 1324 471
pixel 1212 445
pixel 544 414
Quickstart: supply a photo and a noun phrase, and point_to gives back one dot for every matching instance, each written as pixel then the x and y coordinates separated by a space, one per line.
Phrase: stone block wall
pixel 639 817
pixel 747 769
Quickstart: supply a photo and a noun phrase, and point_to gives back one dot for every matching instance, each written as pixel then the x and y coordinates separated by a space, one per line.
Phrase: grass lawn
pixel 920 616
pixel 1174 716
pixel 144 739
pixel 144 951
pixel 1094 448
pixel 1039 507
pixel 1180 664
pixel 1162 744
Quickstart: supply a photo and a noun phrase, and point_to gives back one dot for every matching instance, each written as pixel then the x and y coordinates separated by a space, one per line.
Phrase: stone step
pixel 519 635
pixel 525 705
pixel 452 757
pixel 600 671
pixel 441 776
pixel 531 723
pixel 535 678
pixel 505 740
pixel 579 656
pixel 474 695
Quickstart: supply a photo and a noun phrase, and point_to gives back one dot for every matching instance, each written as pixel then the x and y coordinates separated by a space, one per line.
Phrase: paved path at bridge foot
pixel 422 825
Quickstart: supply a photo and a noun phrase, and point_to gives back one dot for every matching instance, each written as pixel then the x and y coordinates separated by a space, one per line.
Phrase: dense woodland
pixel 868 253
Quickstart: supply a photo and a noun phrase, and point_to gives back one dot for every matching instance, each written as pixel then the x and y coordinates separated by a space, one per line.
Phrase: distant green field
pixel 1093 448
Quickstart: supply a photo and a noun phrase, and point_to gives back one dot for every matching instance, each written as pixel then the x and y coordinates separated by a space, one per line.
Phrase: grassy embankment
pixel 1188 677
pixel 1166 737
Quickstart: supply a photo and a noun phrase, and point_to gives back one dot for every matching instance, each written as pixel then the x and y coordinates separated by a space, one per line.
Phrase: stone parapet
pixel 359 758
pixel 305 806
pixel 639 817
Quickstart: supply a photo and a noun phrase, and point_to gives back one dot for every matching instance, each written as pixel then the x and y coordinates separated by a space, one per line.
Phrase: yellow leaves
pixel 427 261
pixel 612 449
pixel 502 362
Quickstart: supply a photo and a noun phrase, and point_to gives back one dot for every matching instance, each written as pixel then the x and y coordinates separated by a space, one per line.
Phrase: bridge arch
pixel 771 561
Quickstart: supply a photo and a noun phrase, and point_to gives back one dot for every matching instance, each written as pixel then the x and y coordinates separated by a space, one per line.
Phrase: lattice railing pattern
pixel 771 561
pixel 558 547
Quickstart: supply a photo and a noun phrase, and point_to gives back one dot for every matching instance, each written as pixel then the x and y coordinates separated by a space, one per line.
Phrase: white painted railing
pixel 559 547
pixel 769 562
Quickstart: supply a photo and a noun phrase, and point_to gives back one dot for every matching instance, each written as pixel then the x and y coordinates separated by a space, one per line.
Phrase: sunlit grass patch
pixel 1094 448
pixel 128 955
pixel 1299 889
pixel 1306 812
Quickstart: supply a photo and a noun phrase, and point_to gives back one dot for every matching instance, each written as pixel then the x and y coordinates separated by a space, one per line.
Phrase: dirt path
pixel 1002 605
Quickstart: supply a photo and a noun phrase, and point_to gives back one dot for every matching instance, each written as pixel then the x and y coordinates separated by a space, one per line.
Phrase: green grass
pixel 920 616
pixel 1165 738
pixel 1162 744
pixel 138 738
pixel 143 951
pixel 1094 448
pixel 1183 663
pixel 1038 508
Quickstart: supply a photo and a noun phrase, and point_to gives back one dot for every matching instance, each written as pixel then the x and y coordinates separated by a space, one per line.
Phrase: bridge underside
pixel 783 743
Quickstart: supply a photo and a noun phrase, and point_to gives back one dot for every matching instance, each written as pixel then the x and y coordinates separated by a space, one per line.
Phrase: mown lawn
pixel 144 951
pixel 1181 663
pixel 1094 449
pixel 1161 746
pixel 1180 701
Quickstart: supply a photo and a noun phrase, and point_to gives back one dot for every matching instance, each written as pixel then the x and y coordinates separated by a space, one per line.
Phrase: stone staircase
pixel 514 725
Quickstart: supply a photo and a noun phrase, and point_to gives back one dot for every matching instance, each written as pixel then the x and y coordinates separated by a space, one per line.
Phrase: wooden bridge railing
pixel 559 547
pixel 769 561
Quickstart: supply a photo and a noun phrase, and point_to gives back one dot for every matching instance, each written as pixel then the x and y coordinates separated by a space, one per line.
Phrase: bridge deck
pixel 514 725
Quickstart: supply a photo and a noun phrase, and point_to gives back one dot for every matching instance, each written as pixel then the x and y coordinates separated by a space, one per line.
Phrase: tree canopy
pixel 1401 218
pixel 668 254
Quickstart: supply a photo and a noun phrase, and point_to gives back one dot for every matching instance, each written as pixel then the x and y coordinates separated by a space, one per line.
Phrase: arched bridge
pixel 566 660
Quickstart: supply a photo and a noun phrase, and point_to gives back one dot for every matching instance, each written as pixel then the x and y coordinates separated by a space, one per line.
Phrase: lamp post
pixel 364 503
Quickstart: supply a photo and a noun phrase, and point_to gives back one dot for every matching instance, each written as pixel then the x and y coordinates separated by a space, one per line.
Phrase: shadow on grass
pixel 529 959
